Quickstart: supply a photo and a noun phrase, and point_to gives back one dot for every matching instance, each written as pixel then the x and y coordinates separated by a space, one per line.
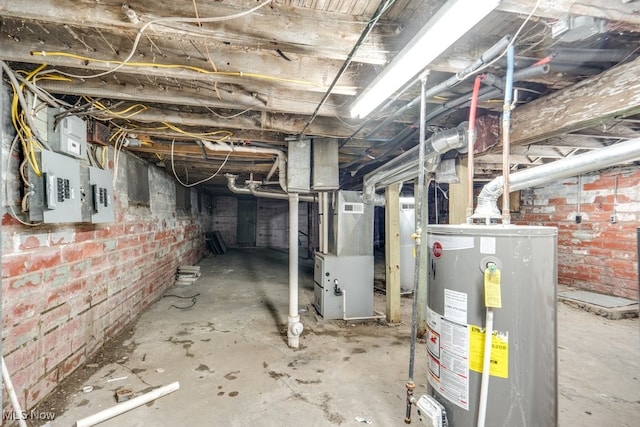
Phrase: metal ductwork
pixel 253 190
pixel 406 166
pixel 571 166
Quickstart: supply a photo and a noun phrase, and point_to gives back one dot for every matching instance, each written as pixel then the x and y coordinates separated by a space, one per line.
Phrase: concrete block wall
pixel 596 254
pixel 272 221
pixel 66 289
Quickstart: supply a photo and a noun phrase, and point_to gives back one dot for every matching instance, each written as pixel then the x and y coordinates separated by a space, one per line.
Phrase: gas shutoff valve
pixel 336 289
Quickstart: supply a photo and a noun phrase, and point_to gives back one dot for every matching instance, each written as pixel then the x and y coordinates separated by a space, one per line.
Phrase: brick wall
pixel 596 254
pixel 68 288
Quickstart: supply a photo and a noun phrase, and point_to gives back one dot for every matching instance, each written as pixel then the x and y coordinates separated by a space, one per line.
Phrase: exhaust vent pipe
pixel 612 155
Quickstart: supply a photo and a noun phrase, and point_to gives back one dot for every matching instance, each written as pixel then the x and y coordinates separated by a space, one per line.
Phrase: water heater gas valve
pixel 431 412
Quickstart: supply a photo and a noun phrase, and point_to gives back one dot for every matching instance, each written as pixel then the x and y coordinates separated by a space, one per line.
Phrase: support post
pixel 392 252
pixel 458 195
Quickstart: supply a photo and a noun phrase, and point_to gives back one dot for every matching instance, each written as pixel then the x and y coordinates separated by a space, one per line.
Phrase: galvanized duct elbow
pixel 252 189
pixel 281 157
pixel 406 166
pixel 231 184
pixel 612 155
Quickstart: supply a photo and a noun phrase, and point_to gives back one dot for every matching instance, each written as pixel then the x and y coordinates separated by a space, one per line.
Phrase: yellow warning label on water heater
pixel 499 365
pixel 492 295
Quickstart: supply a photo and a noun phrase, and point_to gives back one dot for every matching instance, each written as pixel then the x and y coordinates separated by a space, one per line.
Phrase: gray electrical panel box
pixel 67 136
pixel 97 188
pixel 325 173
pixel 340 279
pixel 299 166
pixel 56 195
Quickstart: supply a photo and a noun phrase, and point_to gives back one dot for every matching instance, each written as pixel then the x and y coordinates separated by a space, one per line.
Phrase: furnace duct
pixel 406 166
pixel 570 166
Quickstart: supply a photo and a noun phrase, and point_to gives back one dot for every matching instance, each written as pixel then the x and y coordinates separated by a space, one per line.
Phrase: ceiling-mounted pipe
pixel 281 157
pixel 612 155
pixel 464 100
pixel 486 57
pixel 408 162
pixel 252 189
pixel 255 191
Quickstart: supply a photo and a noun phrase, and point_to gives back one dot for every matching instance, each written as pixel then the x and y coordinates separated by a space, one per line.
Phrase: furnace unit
pixel 343 278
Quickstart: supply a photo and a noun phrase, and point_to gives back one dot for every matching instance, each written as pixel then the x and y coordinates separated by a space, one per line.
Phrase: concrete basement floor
pixel 229 354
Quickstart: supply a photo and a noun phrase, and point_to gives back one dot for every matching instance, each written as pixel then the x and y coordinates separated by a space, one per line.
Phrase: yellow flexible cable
pixel 176 66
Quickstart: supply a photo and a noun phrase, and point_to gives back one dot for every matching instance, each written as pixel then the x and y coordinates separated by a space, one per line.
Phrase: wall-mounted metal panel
pixel 100 192
pixel 68 135
pixel 325 174
pixel 56 195
pixel 299 166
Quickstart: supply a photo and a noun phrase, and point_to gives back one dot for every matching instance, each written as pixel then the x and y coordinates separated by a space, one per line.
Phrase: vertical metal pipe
pixel 325 226
pixel 418 238
pixel 294 328
pixel 321 222
pixel 506 123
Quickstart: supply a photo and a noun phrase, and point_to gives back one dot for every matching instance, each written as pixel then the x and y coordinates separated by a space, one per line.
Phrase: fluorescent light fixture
pixel 451 22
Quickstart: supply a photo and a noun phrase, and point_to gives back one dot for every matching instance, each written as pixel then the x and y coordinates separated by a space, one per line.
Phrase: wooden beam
pixel 458 194
pixel 308 74
pixel 392 252
pixel 298 29
pixel 204 95
pixel 329 127
pixel 614 93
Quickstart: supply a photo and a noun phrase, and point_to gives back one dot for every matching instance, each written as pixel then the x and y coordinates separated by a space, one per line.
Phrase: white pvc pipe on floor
pixel 121 408
pixel 12 394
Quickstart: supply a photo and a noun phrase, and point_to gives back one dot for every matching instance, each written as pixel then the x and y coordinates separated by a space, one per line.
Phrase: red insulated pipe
pixel 544 60
pixel 474 102
pixel 471 142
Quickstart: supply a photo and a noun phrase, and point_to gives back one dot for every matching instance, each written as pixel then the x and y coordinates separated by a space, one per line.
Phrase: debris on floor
pixel 123 394
pixel 187 275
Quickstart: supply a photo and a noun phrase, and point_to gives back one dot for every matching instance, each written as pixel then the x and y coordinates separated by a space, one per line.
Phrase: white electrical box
pixel 431 413
pixel 67 135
